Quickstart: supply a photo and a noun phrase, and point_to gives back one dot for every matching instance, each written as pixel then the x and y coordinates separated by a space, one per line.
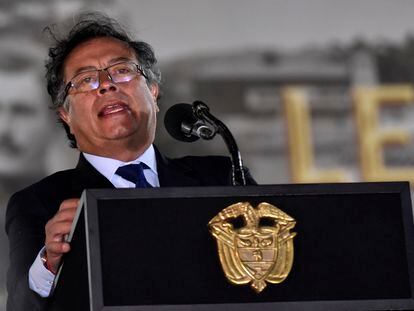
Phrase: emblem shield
pixel 254 254
pixel 257 251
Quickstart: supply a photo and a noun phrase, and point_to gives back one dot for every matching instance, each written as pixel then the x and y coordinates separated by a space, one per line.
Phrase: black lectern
pixel 151 249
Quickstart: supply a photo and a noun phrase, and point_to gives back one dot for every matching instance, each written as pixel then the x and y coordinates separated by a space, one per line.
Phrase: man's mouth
pixel 113 109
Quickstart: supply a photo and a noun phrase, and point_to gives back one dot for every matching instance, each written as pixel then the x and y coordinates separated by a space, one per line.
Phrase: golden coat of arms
pixel 254 253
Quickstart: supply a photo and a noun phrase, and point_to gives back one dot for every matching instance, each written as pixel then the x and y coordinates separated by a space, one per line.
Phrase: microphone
pixel 188 123
pixel 182 123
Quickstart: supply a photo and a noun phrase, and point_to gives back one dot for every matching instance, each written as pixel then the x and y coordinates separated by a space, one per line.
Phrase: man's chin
pixel 120 132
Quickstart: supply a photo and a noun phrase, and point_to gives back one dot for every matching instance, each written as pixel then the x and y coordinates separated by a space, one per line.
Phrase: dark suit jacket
pixel 29 210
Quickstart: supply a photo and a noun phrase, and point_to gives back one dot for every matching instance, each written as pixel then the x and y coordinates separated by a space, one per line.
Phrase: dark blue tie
pixel 135 174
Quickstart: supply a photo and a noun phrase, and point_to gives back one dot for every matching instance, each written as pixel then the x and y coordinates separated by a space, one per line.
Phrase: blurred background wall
pixel 238 56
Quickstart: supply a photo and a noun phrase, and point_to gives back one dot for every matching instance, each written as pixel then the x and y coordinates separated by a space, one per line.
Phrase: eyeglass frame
pixel 140 70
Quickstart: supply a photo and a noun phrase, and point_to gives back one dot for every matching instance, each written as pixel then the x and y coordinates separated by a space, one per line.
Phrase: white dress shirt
pixel 41 279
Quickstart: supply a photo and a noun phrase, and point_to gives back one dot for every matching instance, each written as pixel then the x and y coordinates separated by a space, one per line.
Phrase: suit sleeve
pixel 25 220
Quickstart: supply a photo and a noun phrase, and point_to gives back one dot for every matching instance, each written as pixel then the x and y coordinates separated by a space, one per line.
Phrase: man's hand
pixel 56 230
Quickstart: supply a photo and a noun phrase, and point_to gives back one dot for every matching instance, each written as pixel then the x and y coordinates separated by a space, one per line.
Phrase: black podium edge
pixel 89 210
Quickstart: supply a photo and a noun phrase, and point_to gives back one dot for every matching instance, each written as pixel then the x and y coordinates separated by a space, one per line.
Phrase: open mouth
pixel 113 109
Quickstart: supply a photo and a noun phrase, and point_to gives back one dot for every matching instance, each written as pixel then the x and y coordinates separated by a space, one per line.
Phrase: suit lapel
pixel 173 174
pixel 87 177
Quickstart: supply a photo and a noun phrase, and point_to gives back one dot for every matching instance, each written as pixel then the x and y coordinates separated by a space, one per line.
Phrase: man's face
pixel 116 116
pixel 24 123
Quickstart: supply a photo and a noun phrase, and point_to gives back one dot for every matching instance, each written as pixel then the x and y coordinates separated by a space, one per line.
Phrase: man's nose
pixel 105 83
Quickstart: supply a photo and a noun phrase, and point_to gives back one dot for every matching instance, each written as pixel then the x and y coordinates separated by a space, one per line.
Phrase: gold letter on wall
pixel 300 141
pixel 372 139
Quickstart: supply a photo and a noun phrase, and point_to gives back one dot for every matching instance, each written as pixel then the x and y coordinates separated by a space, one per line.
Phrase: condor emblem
pixel 254 253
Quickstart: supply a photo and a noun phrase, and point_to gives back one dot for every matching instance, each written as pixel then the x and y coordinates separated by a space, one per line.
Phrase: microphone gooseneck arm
pixel 202 111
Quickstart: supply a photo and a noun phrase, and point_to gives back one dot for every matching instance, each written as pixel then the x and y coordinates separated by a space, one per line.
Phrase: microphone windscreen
pixel 175 117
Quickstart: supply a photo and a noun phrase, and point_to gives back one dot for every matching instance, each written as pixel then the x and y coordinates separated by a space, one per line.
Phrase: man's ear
pixel 64 115
pixel 154 89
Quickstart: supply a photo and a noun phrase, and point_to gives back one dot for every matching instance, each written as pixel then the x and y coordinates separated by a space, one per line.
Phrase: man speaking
pixel 104 89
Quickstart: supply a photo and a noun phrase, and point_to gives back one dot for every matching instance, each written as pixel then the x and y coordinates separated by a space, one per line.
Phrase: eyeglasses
pixel 117 73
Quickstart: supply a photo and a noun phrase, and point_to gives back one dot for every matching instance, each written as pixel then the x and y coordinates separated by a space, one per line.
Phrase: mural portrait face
pixel 25 119
pixel 24 122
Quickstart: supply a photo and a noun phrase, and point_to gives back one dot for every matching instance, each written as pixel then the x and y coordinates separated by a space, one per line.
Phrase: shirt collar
pixel 107 166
